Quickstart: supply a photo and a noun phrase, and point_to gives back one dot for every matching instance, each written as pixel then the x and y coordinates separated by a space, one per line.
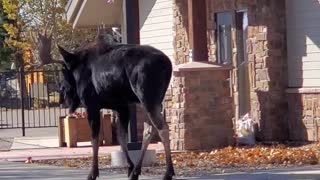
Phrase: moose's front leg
pixel 94 122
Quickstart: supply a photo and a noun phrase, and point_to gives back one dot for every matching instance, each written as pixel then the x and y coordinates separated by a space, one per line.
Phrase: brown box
pixel 73 130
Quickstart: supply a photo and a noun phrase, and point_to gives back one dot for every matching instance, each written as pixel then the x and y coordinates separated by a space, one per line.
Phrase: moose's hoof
pixel 130 170
pixel 134 176
pixel 93 175
pixel 90 177
pixel 168 176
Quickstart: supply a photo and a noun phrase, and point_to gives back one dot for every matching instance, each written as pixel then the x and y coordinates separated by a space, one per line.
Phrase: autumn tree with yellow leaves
pixel 30 20
pixel 34 24
pixel 13 28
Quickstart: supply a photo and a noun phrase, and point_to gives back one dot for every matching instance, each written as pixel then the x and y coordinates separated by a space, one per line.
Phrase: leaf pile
pixel 215 161
pixel 246 157
pixel 84 162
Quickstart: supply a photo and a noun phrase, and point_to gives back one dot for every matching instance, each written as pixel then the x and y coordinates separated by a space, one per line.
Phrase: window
pixel 224 51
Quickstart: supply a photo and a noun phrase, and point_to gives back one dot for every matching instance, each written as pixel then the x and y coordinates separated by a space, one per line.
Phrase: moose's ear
pixel 69 59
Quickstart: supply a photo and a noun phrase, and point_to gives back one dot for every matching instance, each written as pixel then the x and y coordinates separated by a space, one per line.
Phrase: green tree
pixel 5 51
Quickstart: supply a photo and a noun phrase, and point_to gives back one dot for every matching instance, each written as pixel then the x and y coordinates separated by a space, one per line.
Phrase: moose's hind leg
pixel 163 130
pixel 148 132
pixel 122 128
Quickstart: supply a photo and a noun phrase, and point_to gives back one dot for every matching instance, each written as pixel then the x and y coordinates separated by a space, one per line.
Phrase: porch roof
pixel 85 13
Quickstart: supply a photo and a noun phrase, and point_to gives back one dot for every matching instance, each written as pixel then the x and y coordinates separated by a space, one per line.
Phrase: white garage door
pixel 303 39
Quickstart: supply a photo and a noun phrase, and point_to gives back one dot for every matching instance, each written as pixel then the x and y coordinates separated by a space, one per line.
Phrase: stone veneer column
pixel 304 114
pixel 180 29
pixel 267 61
pixel 202 108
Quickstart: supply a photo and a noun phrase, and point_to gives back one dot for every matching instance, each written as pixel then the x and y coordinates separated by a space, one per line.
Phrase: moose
pixel 113 76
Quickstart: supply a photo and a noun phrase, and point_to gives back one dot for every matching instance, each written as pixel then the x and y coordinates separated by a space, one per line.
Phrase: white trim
pixel 201 66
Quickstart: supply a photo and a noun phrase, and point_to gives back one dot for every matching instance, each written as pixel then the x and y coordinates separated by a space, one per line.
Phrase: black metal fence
pixel 30 99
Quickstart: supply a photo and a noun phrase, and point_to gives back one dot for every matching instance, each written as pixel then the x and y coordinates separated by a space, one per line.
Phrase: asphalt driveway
pixel 21 171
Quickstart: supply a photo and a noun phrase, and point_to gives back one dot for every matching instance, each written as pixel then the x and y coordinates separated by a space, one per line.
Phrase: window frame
pixel 217 36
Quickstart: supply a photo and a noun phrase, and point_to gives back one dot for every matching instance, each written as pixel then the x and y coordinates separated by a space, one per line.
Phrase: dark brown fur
pixel 109 76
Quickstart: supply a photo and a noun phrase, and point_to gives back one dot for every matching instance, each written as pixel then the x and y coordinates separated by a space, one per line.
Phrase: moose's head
pixel 68 90
pixel 74 65
pixel 68 86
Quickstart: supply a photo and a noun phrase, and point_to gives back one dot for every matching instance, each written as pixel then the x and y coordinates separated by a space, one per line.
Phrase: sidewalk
pixel 36 138
pixel 43 144
pixel 64 152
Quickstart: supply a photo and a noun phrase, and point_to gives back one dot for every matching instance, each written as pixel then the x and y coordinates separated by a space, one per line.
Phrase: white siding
pixel 303 40
pixel 156 24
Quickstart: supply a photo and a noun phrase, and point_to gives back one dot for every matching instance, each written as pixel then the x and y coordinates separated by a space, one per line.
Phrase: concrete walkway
pixel 35 142
pixel 36 138
pixel 30 132
pixel 58 153
pixel 20 171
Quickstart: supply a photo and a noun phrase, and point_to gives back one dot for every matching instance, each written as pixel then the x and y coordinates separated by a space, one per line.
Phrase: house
pixel 231 57
pixel 303 48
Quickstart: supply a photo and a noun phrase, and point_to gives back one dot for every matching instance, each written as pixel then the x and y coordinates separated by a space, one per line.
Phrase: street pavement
pixel 12 168
pixel 21 171
pixel 42 144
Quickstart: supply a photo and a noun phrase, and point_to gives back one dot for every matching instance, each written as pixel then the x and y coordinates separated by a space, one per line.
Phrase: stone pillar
pixel 202 108
pixel 267 61
pixel 303 114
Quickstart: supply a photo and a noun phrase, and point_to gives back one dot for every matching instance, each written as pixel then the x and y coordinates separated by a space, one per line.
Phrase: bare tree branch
pixel 42 51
